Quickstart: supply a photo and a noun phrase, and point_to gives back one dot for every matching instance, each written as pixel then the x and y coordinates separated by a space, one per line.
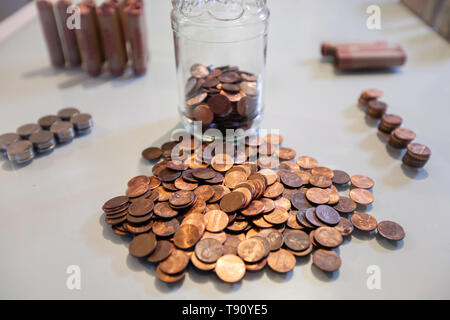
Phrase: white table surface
pixel 50 210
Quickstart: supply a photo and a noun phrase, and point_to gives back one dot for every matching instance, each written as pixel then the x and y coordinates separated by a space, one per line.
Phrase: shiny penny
pixel 230 268
pixel 281 261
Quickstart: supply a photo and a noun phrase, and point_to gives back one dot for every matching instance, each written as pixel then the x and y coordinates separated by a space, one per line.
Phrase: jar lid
pixel 225 10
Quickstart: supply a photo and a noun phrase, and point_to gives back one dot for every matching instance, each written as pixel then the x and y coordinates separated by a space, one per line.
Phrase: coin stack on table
pixel 236 212
pixel 63 127
pixel 390 124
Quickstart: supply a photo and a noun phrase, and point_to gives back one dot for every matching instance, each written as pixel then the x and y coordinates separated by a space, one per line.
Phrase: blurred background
pixel 8 7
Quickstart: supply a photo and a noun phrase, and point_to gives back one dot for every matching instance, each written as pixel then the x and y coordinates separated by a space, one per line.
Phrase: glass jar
pixel 220 53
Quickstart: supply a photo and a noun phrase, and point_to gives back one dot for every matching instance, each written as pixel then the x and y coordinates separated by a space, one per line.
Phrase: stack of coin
pixel 67 113
pixel 417 155
pixel 400 138
pixel 376 109
pixel 43 141
pixel 47 121
pixel 222 97
pixel 20 152
pixel 63 131
pixel 369 95
pixel 7 139
pixel 236 212
pixel 389 122
pixel 82 122
pixel 27 130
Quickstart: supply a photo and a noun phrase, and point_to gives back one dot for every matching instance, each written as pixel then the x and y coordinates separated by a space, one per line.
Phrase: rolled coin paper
pixel 136 28
pixel 50 30
pixel 89 42
pixel 348 58
pixel 329 48
pixel 113 39
pixel 67 36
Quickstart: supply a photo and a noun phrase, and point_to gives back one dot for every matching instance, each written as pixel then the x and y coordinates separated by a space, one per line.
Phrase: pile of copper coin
pixel 234 212
pixel 222 97
pixel 111 34
pixel 42 137
pixel 417 154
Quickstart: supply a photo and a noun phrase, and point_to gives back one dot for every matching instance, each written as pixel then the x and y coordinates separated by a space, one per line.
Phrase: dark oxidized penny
pixel 163 210
pixel 345 205
pixel 27 130
pixel 232 201
pixel 47 121
pixel 163 250
pixel 301 218
pixel 67 113
pixel 391 230
pixel 290 179
pixel 208 250
pixel 299 201
pixel 140 207
pixel 181 198
pixel 142 245
pixel 340 177
pixel 296 240
pixel 251 250
pixel 345 227
pixel 7 139
pixel 310 215
pixel 363 221
pixel 326 260
pixel 168 175
pixel 152 153
pixel 327 215
pixel 203 173
pixel 219 104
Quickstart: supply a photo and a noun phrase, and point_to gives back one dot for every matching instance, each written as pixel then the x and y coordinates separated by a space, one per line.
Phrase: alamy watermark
pixel 373 282
pixel 73 281
pixel 373 22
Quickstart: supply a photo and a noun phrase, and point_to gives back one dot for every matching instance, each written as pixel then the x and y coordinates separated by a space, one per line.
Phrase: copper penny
pixel 140 207
pixel 169 278
pixel 204 192
pixel 277 216
pixel 301 218
pixel 219 193
pixel 285 153
pixel 391 230
pixel 345 205
pixel 219 236
pixel 230 268
pixel 326 260
pixel 152 153
pixel 154 182
pixel 273 191
pixel 197 220
pixel 168 175
pixel 290 179
pixel 340 177
pixel 362 181
pixel 257 266
pixel 199 71
pixel 115 202
pixel 251 250
pixel 222 162
pixel 208 250
pixel 361 196
pixel 328 237
pixel 281 261
pixel 307 162
pixel 175 263
pixel 233 178
pixel 202 265
pixel 176 165
pixel 142 245
pixel 320 181
pixel 162 251
pixel 274 238
pixel 317 195
pixel 310 215
pixel 322 171
pixel 219 104
pixel 363 221
pixel 256 207
pixel 296 240
pixel 165 228
pixel 232 201
pixel 181 198
pixel 292 221
pixel 216 220
pixel 327 215
pixel 203 173
pixel 137 190
pixel 181 184
pixel 204 114
pixel 163 210
pixel 231 244
pixel 269 205
pixel 186 236
pixel 345 227
pixel 270 175
pixel 138 180
pixel 299 201
pixel 372 94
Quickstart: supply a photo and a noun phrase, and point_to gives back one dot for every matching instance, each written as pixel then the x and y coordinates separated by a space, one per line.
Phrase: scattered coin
pixel 230 268
pixel 362 181
pixel 296 240
pixel 328 237
pixel 363 221
pixel 391 230
pixel 361 196
pixel 152 153
pixel 281 261
pixel 208 250
pixel 326 260
pixel 162 251
pixel 142 245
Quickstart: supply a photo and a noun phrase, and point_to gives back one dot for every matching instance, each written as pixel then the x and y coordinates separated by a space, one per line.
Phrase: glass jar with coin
pixel 220 53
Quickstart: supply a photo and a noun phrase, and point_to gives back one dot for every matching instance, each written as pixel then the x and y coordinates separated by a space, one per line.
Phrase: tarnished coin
pixel 363 221
pixel 199 71
pixel 340 177
pixel 232 201
pixel 163 210
pixel 317 195
pixel 274 191
pixel 281 261
pixel 202 265
pixel 290 179
pixel 326 260
pixel 345 205
pixel 230 268
pixel 299 201
pixel 277 216
pixel 345 227
pixel 327 215
pixel 140 207
pixel 296 240
pixel 219 236
pixel 115 202
pixel 175 263
pixel 169 278
pixel 256 207
pixel 274 237
pixel 328 237
pixel 162 251
pixel 181 198
pixel 286 153
pixel 208 250
pixel 186 236
pixel 215 221
pixel 165 228
pixel 310 215
pixel 203 173
pixel 142 245
pixel 251 250
pixel 391 230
